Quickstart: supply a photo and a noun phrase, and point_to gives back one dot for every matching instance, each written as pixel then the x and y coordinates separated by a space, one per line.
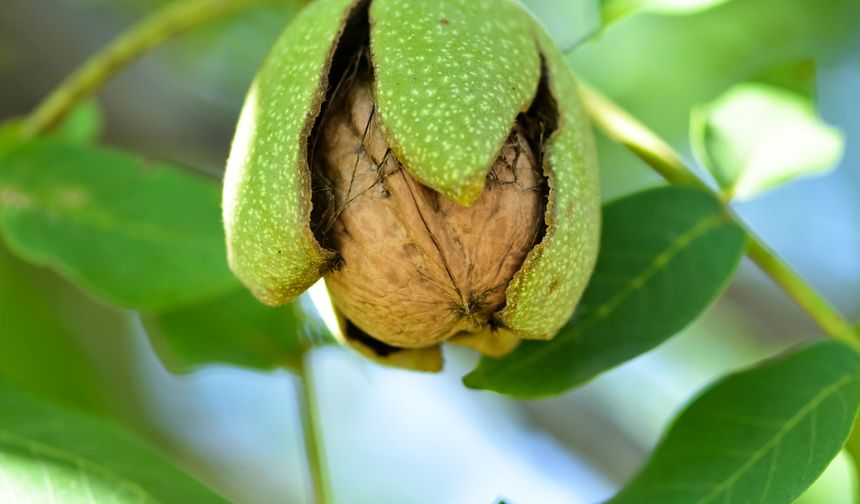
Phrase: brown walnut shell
pixel 417 268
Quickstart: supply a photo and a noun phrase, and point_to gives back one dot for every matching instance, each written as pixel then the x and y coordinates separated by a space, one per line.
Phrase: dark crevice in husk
pixel 351 61
pixel 352 332
pixel 329 259
pixel 539 123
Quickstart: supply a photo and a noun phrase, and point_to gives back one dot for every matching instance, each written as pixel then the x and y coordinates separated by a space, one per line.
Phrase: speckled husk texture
pixel 267 203
pixel 456 87
pixel 451 78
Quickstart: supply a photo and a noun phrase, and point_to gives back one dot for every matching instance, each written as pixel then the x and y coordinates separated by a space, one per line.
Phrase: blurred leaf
pixel 616 9
pixel 797 76
pixel 52 455
pixel 659 67
pixel 761 435
pixel 38 338
pixel 84 124
pixel 234 329
pixel 756 136
pixel 569 22
pixel 665 255
pixel 9 130
pixel 137 234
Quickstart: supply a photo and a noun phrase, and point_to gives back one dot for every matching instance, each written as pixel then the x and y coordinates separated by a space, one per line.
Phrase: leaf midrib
pixel 780 434
pixel 84 465
pixel 105 221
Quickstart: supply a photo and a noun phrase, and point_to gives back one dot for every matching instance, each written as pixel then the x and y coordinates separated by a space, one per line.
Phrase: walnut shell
pixel 417 268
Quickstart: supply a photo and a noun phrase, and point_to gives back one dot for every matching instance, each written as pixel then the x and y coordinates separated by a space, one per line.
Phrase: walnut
pixel 418 268
pixel 432 161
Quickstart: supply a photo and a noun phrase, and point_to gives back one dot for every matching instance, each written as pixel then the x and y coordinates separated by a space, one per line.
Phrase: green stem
pixel 310 429
pixel 802 293
pixel 170 21
pixel 625 129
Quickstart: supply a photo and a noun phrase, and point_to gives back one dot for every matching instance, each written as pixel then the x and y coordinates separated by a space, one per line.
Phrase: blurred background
pixel 394 436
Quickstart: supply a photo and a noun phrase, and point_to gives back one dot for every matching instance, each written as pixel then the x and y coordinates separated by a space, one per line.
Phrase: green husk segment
pixel 451 77
pixel 543 294
pixel 267 191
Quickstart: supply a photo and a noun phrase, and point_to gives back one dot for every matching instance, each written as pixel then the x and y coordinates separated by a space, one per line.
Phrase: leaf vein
pixel 60 455
pixel 831 390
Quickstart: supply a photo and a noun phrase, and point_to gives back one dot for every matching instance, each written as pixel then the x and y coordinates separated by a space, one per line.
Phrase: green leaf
pixel 233 329
pixel 9 136
pixel 445 105
pixel 570 23
pixel 39 321
pixel 137 234
pixel 797 76
pixel 761 435
pixel 665 255
pixel 48 454
pixel 757 136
